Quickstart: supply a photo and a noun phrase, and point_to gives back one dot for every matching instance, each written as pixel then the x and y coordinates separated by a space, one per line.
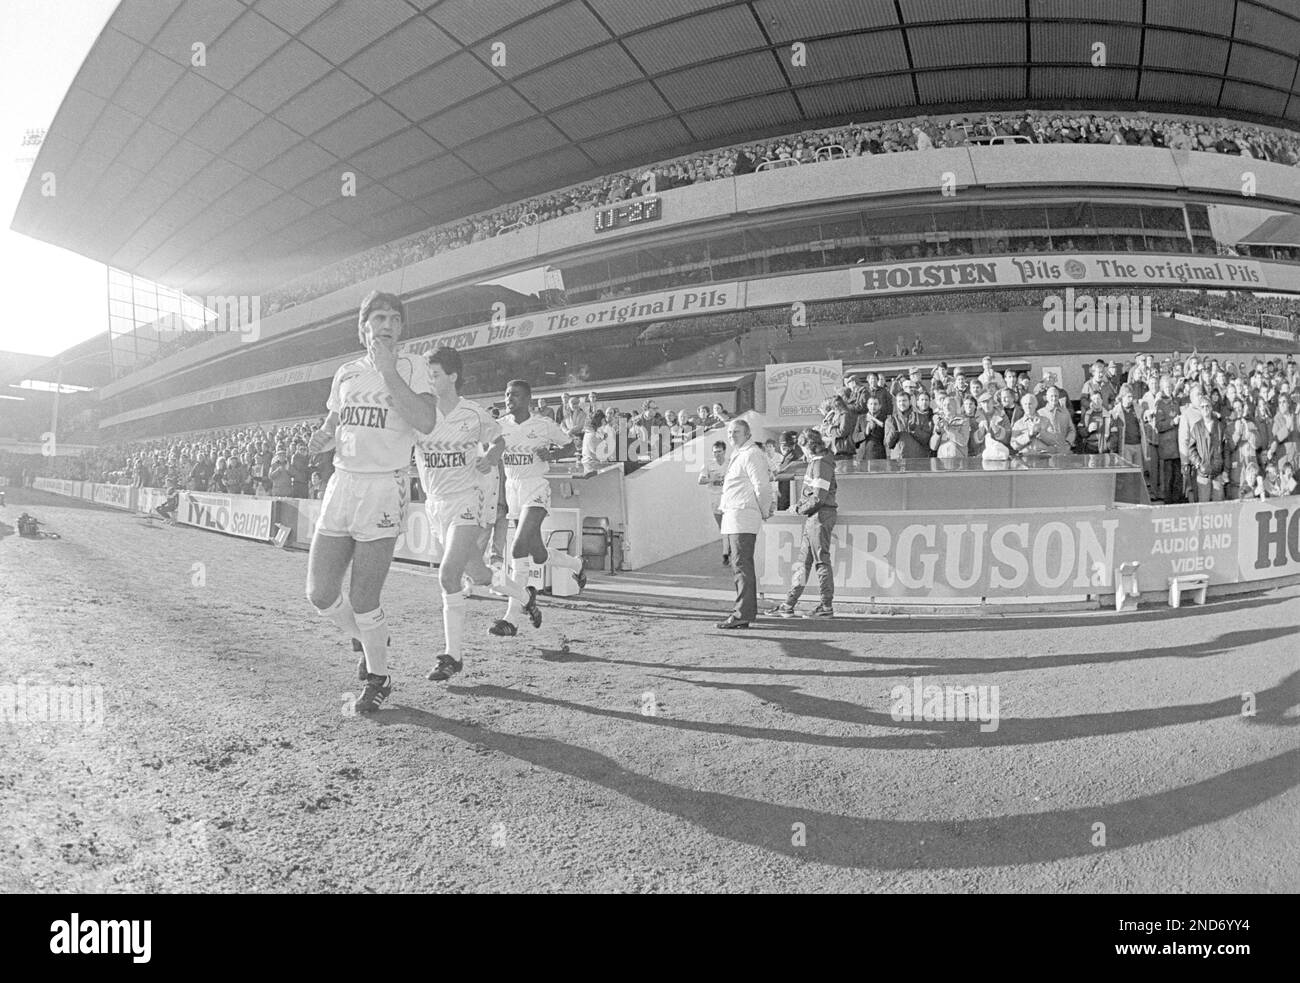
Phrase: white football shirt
pixel 372 436
pixel 524 440
pixel 447 456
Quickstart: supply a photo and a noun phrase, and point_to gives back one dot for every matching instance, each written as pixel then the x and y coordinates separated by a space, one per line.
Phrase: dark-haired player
pixel 532 441
pixel 460 480
pixel 377 405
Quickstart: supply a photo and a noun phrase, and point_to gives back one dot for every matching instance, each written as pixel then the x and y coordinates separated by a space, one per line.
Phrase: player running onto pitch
pixel 531 442
pixel 460 481
pixel 377 406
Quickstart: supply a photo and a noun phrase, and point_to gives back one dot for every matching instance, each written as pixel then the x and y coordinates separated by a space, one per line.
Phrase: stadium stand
pixel 1207 136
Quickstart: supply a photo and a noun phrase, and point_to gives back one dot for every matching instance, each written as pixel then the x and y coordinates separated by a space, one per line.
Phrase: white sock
pixel 372 629
pixel 453 621
pixel 340 612
pixel 564 561
pixel 516 587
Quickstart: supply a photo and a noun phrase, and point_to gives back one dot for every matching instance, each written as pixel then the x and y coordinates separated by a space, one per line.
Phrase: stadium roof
pixel 226 176
pixel 88 363
pixel 15 366
pixel 1276 230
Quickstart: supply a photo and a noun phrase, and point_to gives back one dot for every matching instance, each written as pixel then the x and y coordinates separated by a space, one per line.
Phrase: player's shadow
pixel 893 844
pixel 1271 704
pixel 815 650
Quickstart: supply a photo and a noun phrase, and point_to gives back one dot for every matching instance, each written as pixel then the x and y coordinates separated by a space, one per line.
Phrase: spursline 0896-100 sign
pixel 629 213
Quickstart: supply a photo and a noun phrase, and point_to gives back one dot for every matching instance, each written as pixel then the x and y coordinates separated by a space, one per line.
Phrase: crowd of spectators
pixel 1242 308
pixel 244 461
pixel 854 140
pixel 1200 429
pixel 771 328
pixel 1239 307
pixel 78 419
pixel 604 433
pixel 274 462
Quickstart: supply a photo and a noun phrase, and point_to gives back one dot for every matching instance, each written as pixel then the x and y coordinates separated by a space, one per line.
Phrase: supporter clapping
pixel 952 431
pixel 907 433
pixel 837 426
pixel 1027 430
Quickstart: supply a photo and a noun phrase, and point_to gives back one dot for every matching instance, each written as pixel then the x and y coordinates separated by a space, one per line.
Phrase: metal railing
pixel 528 219
pixel 772 165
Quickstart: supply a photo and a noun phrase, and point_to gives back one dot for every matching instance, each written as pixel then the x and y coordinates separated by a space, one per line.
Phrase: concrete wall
pixel 668 513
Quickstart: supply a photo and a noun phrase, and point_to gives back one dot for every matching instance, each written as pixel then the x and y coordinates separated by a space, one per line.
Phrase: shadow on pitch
pixel 1271 705
pixel 887 844
pixel 907 666
pixel 917 624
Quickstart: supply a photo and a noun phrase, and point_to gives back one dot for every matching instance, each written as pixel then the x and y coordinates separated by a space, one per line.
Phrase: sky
pixel 42 45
